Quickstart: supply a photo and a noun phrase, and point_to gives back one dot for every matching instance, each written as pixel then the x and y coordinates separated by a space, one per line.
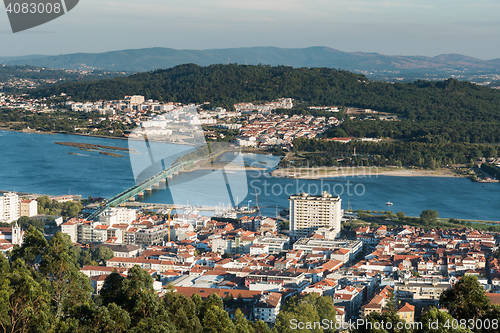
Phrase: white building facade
pixel 311 212
pixel 9 207
pixel 29 208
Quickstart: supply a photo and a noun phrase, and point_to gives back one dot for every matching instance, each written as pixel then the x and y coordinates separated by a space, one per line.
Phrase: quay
pixel 145 205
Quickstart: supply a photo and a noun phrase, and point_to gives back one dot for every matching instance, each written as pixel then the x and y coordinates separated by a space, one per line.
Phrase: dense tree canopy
pixel 52 207
pixel 229 84
pixel 428 216
pixel 310 308
pixel 419 154
pixel 466 300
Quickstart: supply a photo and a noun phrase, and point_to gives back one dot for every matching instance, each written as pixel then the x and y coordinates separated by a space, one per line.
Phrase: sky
pixel 393 27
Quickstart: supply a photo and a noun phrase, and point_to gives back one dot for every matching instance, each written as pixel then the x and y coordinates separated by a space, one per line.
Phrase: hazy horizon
pixel 244 47
pixel 391 27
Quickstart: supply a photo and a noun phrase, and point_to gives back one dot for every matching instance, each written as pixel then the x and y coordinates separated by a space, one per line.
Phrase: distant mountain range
pixel 140 60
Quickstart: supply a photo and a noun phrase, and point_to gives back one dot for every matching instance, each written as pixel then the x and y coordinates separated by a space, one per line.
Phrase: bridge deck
pixel 139 188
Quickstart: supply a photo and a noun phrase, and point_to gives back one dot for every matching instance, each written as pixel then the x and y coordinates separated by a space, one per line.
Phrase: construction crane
pixel 169 219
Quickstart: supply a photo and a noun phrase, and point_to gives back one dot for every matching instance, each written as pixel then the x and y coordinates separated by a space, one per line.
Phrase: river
pixel 32 163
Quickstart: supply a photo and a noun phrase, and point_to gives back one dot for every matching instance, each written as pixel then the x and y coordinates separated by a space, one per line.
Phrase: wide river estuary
pixel 33 163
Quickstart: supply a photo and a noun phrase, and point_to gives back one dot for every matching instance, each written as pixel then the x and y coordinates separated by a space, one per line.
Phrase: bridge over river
pixel 139 189
pixel 151 182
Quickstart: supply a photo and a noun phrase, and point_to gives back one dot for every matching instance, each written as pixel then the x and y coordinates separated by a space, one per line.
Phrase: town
pixel 256 125
pixel 255 264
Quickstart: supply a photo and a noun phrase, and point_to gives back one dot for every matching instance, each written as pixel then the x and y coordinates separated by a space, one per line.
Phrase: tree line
pixel 427 131
pixel 225 85
pixel 394 153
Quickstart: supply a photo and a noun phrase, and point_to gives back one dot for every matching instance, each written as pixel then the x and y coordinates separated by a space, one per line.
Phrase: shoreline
pixel 322 172
pixel 229 168
pixel 30 131
pixel 33 131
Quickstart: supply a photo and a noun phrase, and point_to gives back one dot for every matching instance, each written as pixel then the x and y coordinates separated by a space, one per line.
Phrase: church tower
pixel 17 238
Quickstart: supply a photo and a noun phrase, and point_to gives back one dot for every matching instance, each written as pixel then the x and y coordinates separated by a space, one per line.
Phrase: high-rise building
pixel 9 207
pixel 310 212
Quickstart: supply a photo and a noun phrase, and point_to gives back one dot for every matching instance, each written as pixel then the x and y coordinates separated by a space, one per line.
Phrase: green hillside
pixel 449 100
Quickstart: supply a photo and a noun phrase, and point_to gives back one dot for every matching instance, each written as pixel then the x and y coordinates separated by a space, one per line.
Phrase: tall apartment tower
pixel 9 207
pixel 310 212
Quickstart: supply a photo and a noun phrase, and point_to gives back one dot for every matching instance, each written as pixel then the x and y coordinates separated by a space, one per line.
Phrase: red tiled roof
pixel 407 308
pixel 494 298
pixel 205 292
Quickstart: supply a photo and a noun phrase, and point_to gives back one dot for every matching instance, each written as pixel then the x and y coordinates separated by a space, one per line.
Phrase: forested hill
pixel 449 100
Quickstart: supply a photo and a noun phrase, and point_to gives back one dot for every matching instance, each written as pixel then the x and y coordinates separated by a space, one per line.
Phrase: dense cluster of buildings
pixel 261 130
pixel 253 266
pixel 418 265
pixel 256 125
pixel 249 262
pixel 12 82
pixel 266 108
pixel 21 102
pixel 262 282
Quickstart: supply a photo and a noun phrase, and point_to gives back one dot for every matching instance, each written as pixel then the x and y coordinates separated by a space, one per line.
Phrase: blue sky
pixel 396 27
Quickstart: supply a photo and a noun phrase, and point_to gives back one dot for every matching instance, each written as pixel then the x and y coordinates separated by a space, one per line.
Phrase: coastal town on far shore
pixel 253 262
pixel 253 126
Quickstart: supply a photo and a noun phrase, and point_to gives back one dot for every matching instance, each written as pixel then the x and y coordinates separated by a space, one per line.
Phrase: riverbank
pixel 30 131
pixel 325 172
pixel 34 131
pixel 228 167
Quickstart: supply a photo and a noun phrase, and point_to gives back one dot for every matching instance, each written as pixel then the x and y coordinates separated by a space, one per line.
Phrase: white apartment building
pixel 9 207
pixel 335 249
pixel 245 141
pixel 83 231
pixel 267 307
pixel 275 244
pixel 311 212
pixel 118 215
pixel 70 228
pixel 155 122
pixel 137 99
pixel 259 249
